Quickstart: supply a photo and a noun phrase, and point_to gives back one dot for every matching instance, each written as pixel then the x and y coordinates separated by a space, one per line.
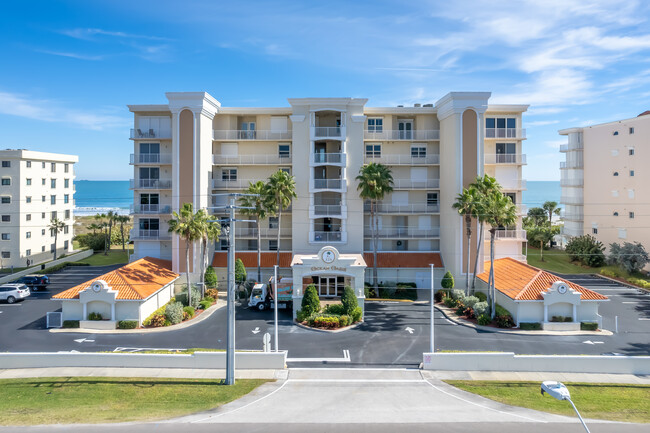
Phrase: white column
pixel 85 311
pixel 113 311
pixel 575 312
pixel 545 313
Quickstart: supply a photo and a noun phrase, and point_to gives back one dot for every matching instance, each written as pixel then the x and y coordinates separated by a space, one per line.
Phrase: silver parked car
pixel 13 292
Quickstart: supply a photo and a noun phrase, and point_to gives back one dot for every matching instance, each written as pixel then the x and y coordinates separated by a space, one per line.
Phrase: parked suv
pixel 13 292
pixel 34 282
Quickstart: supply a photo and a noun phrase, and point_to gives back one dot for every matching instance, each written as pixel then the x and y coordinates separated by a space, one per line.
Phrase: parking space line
pixel 11 305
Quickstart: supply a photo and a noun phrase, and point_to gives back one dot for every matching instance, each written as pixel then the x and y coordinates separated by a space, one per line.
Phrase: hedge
pixel 60 266
pixel 588 326
pixel 70 324
pixel 127 324
pixel 159 312
pixel 535 326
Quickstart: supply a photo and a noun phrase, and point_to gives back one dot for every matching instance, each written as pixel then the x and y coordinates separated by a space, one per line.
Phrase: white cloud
pixel 91 34
pixel 72 55
pixel 541 123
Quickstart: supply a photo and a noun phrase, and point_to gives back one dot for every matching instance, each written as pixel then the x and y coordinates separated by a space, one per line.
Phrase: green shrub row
pixel 588 326
pixel 60 266
pixel 561 319
pixel 484 320
pixel 94 316
pixel 536 326
pixel 70 324
pixel 127 324
pixel 205 304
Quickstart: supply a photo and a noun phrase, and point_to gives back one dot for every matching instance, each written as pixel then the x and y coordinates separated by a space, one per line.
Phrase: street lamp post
pixel 558 391
pixel 431 346
pixel 275 303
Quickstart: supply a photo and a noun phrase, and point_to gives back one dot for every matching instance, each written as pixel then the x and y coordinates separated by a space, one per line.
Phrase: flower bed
pixel 175 312
pixel 333 316
pixel 475 309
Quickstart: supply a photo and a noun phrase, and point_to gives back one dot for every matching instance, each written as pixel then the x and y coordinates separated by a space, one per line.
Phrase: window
pixel 286 170
pixel 6 237
pixel 630 193
pixel 594 231
pixel 615 213
pixel 43 198
pixel 43 181
pixel 418 151
pixel 51 233
pixel 631 215
pixel 630 151
pixel 375 124
pixel 631 173
pixel 53 217
pixel 28 235
pixel 43 215
pixel 284 150
pixel 228 174
pixel 28 217
pixel 52 183
pixel 273 245
pixel 615 133
pixel 622 233
pixel 6 164
pixel 67 214
pixel 43 248
pixel 273 222
pixel 28 199
pixel 615 193
pixel 6 255
pixel 65 230
pixel 66 198
pixel 53 167
pixel 52 248
pixel 373 150
pixel 29 182
pixel 43 165
pixel 248 130
pixel 223 244
pixel 28 253
pixel 28 164
pixel 66 168
pixel 66 244
pixel 614 152
pixel 6 218
pixel 432 198
pixel 52 199
pixel 5 200
pixel 6 181
pixel 66 183
pixel 616 173
pixel 252 245
pixel 631 130
pixel 150 224
pixel 500 127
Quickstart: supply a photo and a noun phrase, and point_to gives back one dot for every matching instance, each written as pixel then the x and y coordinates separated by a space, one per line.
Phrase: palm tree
pixel 282 189
pixel 94 227
pixel 56 226
pixel 259 201
pixel 187 225
pixel 484 186
pixel 499 212
pixel 467 204
pixel 110 216
pixel 210 231
pixel 375 181
pixel 541 234
pixel 551 208
pixel 122 219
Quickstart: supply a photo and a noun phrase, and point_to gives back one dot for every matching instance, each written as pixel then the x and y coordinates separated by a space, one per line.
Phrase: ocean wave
pixel 91 210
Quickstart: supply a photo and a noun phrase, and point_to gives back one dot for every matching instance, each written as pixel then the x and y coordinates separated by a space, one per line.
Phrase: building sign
pixel 328 268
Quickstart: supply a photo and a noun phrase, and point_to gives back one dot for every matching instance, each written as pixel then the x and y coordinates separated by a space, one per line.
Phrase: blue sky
pixel 70 67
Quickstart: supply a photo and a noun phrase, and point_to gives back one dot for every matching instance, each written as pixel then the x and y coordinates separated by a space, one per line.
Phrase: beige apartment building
pixel 35 188
pixel 192 147
pixel 603 181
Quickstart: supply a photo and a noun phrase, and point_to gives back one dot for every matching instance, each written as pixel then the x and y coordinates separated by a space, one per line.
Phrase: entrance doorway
pixel 327 287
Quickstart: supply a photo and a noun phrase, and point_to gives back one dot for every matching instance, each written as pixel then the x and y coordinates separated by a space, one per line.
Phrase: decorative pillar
pixel 113 311
pixel 575 313
pixel 545 313
pixel 85 311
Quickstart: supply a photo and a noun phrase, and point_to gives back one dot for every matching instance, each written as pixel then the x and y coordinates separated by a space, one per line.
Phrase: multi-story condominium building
pixel 36 188
pixel 192 147
pixel 602 181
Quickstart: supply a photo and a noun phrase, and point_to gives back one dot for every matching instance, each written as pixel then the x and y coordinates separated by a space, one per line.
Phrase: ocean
pixel 93 196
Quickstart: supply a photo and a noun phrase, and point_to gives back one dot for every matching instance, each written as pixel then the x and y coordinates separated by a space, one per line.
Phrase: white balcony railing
pixel 151 184
pixel 328 158
pixel 565 199
pixel 326 210
pixel 570 164
pixel 151 158
pixel 505 158
pixel 506 234
pixel 327 131
pixel 150 209
pixel 416 184
pixel 564 147
pixel 519 257
pixel 418 134
pixel 238 134
pixel 265 232
pixel 251 159
pixel 329 183
pixel 572 182
pixel 404 232
pixel 232 184
pixel 318 236
pixel 144 234
pixel 512 184
pixel 141 134
pixel 403 208
pixel 515 133
pixel 403 159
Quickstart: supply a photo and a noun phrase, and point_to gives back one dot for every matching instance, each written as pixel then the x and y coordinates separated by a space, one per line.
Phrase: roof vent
pixel 400 106
pixel 417 105
pixel 428 105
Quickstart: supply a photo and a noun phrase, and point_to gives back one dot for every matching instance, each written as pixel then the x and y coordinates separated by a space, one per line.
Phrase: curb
pixel 330 331
pixel 205 315
pixel 447 313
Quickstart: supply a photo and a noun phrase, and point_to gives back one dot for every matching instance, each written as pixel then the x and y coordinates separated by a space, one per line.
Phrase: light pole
pixel 275 303
pixel 431 347
pixel 558 391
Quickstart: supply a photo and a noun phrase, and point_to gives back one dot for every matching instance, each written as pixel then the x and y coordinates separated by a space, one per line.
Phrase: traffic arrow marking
pixel 593 342
pixel 256 330
pixel 84 340
pixel 409 329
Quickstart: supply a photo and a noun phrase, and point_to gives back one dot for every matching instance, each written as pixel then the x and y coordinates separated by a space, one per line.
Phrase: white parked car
pixel 13 292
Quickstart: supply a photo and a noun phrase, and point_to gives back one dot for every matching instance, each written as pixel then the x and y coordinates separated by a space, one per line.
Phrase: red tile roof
pixel 522 282
pixel 137 280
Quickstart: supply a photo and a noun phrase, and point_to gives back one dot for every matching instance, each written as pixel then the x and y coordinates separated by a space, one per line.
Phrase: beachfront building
pixel 36 187
pixel 192 147
pixel 602 181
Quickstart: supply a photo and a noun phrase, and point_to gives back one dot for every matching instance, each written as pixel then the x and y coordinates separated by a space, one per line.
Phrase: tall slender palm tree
pixel 187 225
pixel 375 181
pixel 210 231
pixel 121 220
pixel 499 212
pixel 94 227
pixel 484 186
pixel 56 226
pixel 551 209
pixel 282 188
pixel 110 217
pixel 467 205
pixel 259 201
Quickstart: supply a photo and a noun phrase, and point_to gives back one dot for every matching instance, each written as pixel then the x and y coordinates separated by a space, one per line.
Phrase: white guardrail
pixel 508 361
pixel 203 360
pixel 71 258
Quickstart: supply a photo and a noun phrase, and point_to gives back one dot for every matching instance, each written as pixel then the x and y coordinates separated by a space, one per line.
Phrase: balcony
pixel 512 184
pixel 519 257
pixel 232 184
pixel 570 165
pixel 397 135
pixel 514 133
pixel 149 209
pixel 143 134
pixel 564 148
pixel 576 201
pixel 251 159
pixel 151 184
pixel 265 233
pixel 149 235
pixel 572 182
pixel 404 232
pixel 329 184
pixel 512 235
pixel 403 208
pixel 416 184
pixel 505 158
pixel 328 159
pixel 151 158
pixel 328 210
pixel 328 236
pixel 261 135
pixel 403 159
pixel 327 131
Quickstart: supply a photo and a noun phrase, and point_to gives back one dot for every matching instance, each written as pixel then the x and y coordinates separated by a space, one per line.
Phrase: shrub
pixel 159 320
pixel 94 316
pixel 484 320
pixel 505 321
pixel 326 322
pixel 204 305
pixel 209 299
pixel 457 294
pixel 460 309
pixel 127 324
pixel 536 326
pixel 447 281
pixel 212 293
pixel 210 278
pixel 470 301
pixel 589 326
pixel 59 267
pixel 587 250
pixel 449 302
pixel 440 295
pixel 344 320
pixel 639 282
pixel 310 302
pixel 338 309
pixel 609 273
pixel 366 292
pixel 349 300
pixel 560 319
pixel 190 311
pixel 92 241
pixel 469 313
pixel 174 312
pixel 240 272
pixel 196 297
pixel 500 311
pixel 159 312
pixel 482 297
pixel 185 316
pixel 481 309
pixel 301 316
pixel 70 324
pixel 356 314
pixel 630 256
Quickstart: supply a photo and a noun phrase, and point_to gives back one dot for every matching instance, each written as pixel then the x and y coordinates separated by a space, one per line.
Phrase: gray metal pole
pixel 579 417
pixel 230 355
pixel 275 301
pixel 431 346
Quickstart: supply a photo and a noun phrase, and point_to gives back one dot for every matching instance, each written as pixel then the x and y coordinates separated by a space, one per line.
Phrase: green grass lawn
pixel 115 256
pixel 97 400
pixel 614 402
pixel 557 261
